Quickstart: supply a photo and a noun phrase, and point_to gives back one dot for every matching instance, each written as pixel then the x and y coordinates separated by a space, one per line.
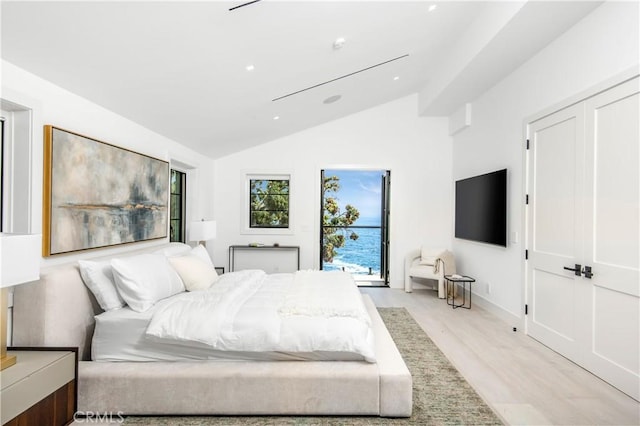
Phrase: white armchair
pixel 428 265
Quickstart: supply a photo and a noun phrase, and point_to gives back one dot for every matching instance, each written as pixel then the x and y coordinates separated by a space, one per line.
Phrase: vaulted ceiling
pixel 221 76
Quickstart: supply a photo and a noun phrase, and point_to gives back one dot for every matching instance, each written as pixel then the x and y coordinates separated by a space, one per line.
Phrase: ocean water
pixel 358 256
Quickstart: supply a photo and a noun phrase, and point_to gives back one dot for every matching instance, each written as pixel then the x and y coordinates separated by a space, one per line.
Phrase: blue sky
pixel 361 189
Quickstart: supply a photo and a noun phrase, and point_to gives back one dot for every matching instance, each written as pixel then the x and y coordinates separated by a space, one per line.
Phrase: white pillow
pixel 98 277
pixel 201 252
pixel 144 279
pixel 196 274
pixel 181 249
pixel 174 249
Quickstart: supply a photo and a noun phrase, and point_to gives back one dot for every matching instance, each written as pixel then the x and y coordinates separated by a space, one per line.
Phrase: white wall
pixel 53 105
pixel 602 45
pixel 417 150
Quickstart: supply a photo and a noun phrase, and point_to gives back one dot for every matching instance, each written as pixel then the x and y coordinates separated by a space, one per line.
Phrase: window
pixel 177 206
pixel 268 198
pixel 269 203
pixel 1 172
pixel 18 152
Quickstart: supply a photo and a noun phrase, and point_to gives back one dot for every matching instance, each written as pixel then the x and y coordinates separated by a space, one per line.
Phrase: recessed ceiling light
pixel 396 78
pixel 339 43
pixel 250 67
pixel 332 99
pixel 433 7
pixel 276 117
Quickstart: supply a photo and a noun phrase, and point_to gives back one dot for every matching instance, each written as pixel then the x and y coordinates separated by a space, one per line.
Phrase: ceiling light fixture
pixel 396 78
pixel 433 7
pixel 340 41
pixel 250 67
pixel 332 99
pixel 276 117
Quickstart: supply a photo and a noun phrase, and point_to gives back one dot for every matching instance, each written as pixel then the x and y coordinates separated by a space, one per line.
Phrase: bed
pixel 59 310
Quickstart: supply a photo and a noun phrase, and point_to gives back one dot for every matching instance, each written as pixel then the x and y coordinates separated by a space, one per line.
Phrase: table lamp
pixel 202 231
pixel 20 256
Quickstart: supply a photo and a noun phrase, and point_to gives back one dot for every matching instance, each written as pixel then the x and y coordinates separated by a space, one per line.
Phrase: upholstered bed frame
pixel 58 310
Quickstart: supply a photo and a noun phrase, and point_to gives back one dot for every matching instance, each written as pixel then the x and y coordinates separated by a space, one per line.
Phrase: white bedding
pixel 245 315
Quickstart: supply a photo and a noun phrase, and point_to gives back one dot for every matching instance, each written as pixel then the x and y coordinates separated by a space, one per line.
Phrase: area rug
pixel 441 396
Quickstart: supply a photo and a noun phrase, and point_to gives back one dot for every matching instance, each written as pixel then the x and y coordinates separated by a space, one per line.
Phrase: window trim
pixel 183 204
pixel 246 203
pixel 2 168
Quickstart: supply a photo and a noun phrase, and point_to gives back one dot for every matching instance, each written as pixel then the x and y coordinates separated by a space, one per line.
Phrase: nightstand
pixel 40 389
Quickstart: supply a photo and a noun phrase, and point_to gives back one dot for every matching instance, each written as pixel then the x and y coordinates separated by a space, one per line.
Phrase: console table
pixel 271 259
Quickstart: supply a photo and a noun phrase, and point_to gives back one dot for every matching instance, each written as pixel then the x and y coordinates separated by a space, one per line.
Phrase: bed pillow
pixel 196 273
pixel 98 277
pixel 174 249
pixel 181 249
pixel 144 279
pixel 201 252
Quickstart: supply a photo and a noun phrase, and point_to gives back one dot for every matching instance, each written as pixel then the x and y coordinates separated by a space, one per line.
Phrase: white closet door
pixel 612 231
pixel 584 190
pixel 556 173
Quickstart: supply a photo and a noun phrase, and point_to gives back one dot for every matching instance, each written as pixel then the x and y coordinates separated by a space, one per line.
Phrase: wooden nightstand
pixel 40 389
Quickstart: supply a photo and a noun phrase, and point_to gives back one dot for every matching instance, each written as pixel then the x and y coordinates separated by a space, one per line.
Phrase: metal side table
pixel 451 283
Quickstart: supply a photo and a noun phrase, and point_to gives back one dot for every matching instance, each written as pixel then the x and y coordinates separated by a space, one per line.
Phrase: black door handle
pixel 587 272
pixel 576 270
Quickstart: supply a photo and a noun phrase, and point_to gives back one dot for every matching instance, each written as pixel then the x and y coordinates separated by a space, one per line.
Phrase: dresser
pixel 40 389
pixel 271 259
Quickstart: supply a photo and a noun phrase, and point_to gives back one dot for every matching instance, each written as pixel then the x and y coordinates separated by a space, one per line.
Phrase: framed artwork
pixel 100 195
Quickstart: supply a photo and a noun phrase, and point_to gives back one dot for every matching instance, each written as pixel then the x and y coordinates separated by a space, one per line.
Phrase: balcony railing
pixel 360 257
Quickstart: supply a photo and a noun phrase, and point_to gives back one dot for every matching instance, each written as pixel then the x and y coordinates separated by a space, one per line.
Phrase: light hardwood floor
pixel 522 380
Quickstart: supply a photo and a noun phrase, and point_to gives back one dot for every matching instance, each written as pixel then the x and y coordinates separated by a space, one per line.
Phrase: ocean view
pixel 360 189
pixel 359 255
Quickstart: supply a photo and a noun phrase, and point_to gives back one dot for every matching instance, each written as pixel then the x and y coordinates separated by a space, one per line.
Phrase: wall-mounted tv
pixel 481 208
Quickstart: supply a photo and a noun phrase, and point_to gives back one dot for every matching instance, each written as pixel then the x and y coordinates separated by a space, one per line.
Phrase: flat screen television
pixel 481 208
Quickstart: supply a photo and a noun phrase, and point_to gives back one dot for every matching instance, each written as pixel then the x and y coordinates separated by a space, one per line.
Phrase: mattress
pixel 121 335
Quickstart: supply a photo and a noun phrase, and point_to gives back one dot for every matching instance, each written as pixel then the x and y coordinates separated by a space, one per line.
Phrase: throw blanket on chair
pixel 438 258
pixel 442 261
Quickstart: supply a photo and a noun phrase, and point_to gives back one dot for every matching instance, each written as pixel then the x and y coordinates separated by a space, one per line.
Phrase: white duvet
pixel 251 311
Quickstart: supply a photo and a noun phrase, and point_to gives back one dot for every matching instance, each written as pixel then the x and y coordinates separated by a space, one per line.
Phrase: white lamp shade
pixel 20 256
pixel 202 231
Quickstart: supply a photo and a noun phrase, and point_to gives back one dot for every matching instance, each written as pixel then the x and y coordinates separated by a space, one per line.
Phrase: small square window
pixel 268 204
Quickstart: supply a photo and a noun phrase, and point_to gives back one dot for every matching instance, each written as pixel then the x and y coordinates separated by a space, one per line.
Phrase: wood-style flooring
pixel 524 382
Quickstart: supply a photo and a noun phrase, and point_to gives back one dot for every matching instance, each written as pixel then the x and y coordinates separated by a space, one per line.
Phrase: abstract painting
pixel 100 195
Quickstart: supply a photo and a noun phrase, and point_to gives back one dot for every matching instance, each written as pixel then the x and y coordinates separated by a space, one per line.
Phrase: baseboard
pixel 508 317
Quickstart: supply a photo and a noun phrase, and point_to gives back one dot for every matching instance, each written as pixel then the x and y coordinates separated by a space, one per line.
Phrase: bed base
pixel 58 311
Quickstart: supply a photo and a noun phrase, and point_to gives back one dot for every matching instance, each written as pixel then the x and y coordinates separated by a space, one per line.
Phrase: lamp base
pixel 7 361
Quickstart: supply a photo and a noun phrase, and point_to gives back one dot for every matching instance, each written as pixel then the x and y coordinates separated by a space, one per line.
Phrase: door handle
pixel 576 270
pixel 587 272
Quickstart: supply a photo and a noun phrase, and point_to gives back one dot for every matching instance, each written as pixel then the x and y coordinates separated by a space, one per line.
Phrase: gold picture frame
pixel 99 195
